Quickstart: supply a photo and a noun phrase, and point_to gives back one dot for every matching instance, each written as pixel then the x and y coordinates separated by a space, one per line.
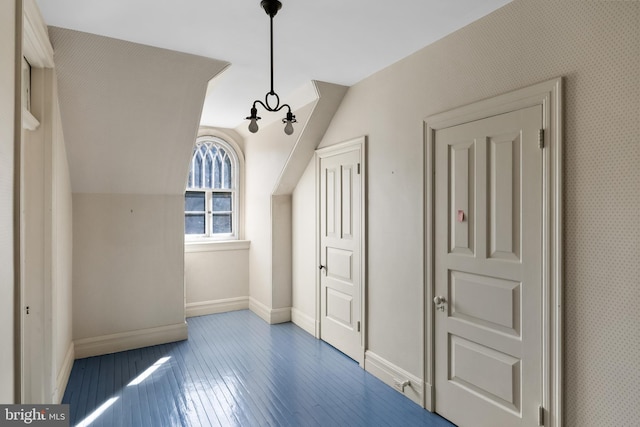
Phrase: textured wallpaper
pixel 595 45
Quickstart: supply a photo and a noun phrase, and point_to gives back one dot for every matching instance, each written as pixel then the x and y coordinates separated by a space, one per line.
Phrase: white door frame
pixel 548 95
pixel 358 143
pixel 37 49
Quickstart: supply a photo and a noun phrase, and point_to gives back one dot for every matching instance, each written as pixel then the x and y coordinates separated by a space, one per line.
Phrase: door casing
pixel 39 332
pixel 359 144
pixel 549 96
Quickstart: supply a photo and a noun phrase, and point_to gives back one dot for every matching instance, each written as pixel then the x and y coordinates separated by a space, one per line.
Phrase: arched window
pixel 211 197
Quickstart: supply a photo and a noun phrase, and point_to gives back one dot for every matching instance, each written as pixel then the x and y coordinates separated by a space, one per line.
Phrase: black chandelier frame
pixel 271 7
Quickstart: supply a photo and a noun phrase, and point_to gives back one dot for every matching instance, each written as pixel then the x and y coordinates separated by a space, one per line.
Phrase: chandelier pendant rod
pixel 271 7
pixel 271 25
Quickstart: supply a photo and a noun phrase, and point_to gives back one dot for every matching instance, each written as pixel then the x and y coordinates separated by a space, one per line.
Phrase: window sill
pixel 216 245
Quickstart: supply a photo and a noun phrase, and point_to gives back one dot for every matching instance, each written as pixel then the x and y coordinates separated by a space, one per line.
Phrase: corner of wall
pixel 130 340
pixel 304 321
pixel 62 377
pixel 270 315
pixel 203 308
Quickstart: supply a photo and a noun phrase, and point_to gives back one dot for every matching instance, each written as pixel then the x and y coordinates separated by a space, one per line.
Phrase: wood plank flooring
pixel 236 370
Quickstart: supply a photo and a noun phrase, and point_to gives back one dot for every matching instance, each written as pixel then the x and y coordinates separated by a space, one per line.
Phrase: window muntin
pixel 211 203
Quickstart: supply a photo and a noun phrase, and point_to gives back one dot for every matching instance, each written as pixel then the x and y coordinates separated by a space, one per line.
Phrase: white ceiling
pixel 337 41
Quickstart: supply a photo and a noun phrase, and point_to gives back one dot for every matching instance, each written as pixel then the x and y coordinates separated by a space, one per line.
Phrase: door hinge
pixel 358 168
pixel 540 416
pixel 541 138
pixel 358 325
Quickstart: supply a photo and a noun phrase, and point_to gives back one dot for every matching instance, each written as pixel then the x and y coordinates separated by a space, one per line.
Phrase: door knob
pixel 321 267
pixel 440 301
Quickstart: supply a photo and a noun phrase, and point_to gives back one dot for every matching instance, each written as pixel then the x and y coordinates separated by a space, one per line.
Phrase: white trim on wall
pixel 29 122
pixel 37 47
pixel 394 376
pixel 260 309
pixel 112 343
pixel 214 246
pixel 549 96
pixel 280 315
pixel 203 308
pixel 270 315
pixel 304 321
pixel 64 374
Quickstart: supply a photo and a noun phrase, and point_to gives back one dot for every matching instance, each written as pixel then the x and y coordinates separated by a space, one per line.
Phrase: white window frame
pixel 234 191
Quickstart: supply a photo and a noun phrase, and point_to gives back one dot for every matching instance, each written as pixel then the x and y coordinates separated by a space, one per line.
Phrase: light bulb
pixel 253 126
pixel 288 129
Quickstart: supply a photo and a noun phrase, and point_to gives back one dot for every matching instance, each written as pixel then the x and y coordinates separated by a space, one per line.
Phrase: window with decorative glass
pixel 211 196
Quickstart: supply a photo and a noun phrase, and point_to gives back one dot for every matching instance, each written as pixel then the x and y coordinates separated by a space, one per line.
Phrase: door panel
pixel 331 193
pixel 461 188
pixel 488 266
pixel 339 307
pixel 483 371
pixel 341 262
pixel 486 302
pixel 347 201
pixel 504 195
pixel 341 252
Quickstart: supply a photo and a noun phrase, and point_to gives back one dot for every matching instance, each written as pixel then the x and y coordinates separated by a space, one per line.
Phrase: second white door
pixel 341 264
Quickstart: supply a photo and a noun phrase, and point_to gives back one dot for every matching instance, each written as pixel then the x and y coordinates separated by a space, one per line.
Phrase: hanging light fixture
pixel 271 7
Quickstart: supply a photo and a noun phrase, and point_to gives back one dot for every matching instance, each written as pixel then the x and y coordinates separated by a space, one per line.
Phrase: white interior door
pixel 341 276
pixel 488 270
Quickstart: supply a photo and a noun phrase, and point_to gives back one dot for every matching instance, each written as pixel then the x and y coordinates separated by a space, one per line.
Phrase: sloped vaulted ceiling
pixel 130 112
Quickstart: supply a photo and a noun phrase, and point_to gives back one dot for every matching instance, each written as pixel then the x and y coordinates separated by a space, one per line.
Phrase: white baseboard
pixel 260 309
pixel 63 376
pixel 113 343
pixel 304 321
pixel 216 306
pixel 391 374
pixel 280 315
pixel 270 315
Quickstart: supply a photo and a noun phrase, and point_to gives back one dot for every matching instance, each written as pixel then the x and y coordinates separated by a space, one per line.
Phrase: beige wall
pixel 275 163
pixel 128 263
pixel 266 154
pixel 7 118
pixel 304 269
pixel 62 254
pixel 138 138
pixel 216 274
pixel 129 158
pixel 595 46
pixel 281 251
pixel 264 159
